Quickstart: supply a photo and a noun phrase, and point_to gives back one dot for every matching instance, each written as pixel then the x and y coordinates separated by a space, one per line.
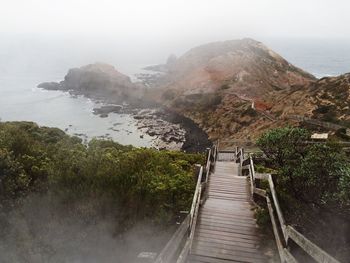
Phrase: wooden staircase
pixel 221 228
pixel 226 230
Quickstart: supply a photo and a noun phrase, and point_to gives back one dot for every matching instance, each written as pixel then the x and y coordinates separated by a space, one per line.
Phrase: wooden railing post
pixel 207 167
pixel 278 223
pixel 199 180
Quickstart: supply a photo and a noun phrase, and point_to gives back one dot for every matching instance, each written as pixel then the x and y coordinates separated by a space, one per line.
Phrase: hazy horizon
pixel 176 21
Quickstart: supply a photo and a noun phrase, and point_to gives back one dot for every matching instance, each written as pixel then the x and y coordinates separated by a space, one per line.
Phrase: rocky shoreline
pixel 171 131
pixel 103 83
pixel 168 135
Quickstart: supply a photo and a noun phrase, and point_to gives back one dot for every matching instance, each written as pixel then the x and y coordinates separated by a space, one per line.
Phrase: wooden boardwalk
pixel 226 230
pixel 220 227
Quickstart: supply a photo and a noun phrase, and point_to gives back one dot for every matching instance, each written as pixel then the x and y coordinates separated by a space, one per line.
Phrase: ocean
pixel 25 62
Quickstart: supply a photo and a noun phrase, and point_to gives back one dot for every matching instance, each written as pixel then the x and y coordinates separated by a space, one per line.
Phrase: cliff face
pixel 99 81
pixel 215 85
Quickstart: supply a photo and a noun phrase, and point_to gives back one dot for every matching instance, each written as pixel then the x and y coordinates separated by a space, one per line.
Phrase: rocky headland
pixel 233 89
pixel 216 84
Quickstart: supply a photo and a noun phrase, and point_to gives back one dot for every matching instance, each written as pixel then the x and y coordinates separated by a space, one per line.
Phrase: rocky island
pixel 98 81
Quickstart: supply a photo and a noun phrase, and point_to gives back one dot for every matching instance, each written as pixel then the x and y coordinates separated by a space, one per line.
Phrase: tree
pixel 317 175
pixel 283 145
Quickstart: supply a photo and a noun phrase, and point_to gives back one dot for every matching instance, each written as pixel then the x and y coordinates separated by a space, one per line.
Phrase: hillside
pixel 214 85
pixel 243 66
pixel 326 99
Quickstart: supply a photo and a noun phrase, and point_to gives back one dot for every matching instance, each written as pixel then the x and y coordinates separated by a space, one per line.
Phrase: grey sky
pixel 178 19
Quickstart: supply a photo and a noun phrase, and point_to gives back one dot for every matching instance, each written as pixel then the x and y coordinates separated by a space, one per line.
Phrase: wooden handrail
pixel 183 237
pixel 179 246
pixel 171 248
pixel 207 168
pixel 197 193
pixel 279 224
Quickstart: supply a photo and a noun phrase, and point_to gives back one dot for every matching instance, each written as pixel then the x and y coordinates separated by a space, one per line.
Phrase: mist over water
pixel 320 57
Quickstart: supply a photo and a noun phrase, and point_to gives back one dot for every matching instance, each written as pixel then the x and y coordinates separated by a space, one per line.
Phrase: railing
pixel 179 246
pixel 324 124
pixel 239 158
pixel 282 232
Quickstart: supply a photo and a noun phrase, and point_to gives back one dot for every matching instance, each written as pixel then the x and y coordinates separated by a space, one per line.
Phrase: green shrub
pixel 145 182
pixel 316 175
pixel 262 218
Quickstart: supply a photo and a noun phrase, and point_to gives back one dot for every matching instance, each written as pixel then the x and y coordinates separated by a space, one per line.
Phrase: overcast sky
pixel 178 19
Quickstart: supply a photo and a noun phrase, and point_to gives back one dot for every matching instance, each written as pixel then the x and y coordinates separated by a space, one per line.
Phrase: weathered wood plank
pixel 224 239
pixel 228 255
pixel 209 243
pixel 232 243
pixel 234 224
pixel 230 209
pixel 314 251
pixel 227 232
pixel 226 229
pixel 229 217
pixel 203 259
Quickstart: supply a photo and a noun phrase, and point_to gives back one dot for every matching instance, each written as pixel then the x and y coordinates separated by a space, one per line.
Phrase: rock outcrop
pixel 98 81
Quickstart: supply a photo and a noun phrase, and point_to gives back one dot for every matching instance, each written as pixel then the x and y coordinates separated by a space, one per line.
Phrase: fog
pixel 175 22
pixel 122 33
pixel 47 37
pixel 45 228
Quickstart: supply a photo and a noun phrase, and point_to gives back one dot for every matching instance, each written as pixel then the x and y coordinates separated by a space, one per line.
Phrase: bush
pixel 263 218
pixel 316 175
pixel 284 145
pixel 145 182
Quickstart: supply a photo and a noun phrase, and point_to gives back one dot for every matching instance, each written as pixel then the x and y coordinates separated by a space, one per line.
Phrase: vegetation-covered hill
pixel 57 193
pixel 214 84
pixel 241 66
pixel 327 99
